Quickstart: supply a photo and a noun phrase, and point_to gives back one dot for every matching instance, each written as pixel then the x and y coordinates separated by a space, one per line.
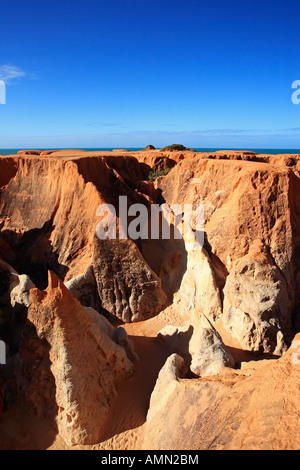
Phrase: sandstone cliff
pixel 48 209
pixel 248 272
pixel 218 306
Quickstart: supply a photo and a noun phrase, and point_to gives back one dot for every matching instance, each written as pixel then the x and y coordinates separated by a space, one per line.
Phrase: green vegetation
pixel 155 174
pixel 175 147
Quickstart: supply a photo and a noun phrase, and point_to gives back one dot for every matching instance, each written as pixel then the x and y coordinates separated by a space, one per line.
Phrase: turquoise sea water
pixel 260 151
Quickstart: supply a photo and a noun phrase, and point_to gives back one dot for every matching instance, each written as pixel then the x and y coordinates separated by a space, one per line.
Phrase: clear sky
pixel 130 73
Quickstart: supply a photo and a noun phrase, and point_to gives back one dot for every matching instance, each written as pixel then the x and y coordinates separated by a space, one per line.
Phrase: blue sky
pixel 130 73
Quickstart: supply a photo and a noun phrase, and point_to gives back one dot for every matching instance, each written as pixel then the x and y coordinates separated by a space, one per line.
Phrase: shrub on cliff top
pixel 175 147
pixel 155 174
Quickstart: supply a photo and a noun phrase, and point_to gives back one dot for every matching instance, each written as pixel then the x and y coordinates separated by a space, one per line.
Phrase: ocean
pixel 259 151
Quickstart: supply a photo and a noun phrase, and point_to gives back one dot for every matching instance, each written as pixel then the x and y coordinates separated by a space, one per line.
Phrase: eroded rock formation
pixel 254 408
pixel 49 221
pixel 251 264
pixel 69 365
pixel 70 359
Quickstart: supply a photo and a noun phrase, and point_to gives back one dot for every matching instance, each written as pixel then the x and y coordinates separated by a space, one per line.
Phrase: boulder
pixel 14 287
pixel 199 344
pixel 209 353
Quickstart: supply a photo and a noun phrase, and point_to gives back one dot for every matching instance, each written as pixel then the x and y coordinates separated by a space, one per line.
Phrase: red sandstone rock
pixel 245 281
pixel 251 226
pixel 255 408
pixel 51 204
pixel 69 365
